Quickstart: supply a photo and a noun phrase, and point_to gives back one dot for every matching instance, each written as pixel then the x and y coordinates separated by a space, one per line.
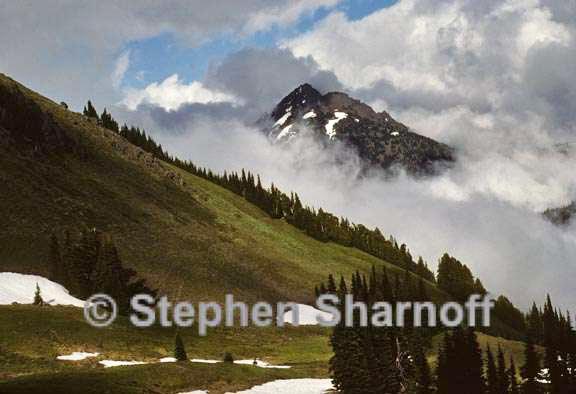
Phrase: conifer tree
pixel 38 301
pixel 90 111
pixel 514 389
pixel 503 381
pixel 475 364
pixel 55 261
pixel 228 358
pixel 443 369
pixel 423 378
pixel 491 373
pixel 530 369
pixel 179 350
pixel 460 364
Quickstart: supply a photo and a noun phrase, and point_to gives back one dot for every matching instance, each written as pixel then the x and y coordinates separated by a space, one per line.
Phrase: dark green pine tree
pixel 179 350
pixel 108 122
pixel 38 301
pixel 553 366
pixel 474 364
pixel 381 345
pixel 503 378
pixel 530 369
pixel 514 389
pixel 460 364
pixel 423 375
pixel 443 378
pixel 550 321
pixel 57 272
pixel 341 342
pixel 491 373
pixel 107 273
pixel 90 111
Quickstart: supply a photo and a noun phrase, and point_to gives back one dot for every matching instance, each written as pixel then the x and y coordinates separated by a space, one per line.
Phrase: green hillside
pixel 185 235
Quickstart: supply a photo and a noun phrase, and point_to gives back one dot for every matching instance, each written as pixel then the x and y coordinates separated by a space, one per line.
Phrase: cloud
pixel 262 77
pixel 243 86
pixel 476 53
pixel 73 58
pixel 171 93
pixel 285 14
pixel 122 64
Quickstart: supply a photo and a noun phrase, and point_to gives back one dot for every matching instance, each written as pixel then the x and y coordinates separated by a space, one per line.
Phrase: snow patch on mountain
pixel 116 363
pixel 77 356
pixel 261 364
pixel 332 122
pixel 280 122
pixel 307 315
pixel 285 386
pixel 285 132
pixel 309 115
pixel 20 288
pixel 203 361
pixel 291 386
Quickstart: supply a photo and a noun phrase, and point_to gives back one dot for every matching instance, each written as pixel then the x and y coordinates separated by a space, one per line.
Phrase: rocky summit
pixel 377 138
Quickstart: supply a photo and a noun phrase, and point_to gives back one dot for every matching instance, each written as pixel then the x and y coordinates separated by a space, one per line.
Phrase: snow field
pixel 20 288
pixel 308 315
pixel 285 386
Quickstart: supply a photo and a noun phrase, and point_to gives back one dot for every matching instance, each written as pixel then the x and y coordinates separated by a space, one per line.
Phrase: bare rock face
pixel 376 136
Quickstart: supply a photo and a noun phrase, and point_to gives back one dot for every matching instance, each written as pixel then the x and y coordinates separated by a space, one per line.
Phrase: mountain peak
pixel 377 137
pixel 303 96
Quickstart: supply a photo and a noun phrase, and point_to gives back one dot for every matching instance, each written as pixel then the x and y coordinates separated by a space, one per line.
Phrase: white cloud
pixel 171 93
pixel 122 64
pixel 71 47
pixel 416 43
pixel 285 14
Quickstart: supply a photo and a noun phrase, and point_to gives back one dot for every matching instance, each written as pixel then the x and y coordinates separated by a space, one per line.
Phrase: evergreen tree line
pixel 462 369
pixel 393 360
pixel 370 360
pixel 91 264
pixel 456 279
pixel 550 328
pixel 318 224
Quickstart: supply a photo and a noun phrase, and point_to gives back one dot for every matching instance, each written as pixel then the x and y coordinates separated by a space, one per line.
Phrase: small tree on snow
pixel 179 350
pixel 228 357
pixel 37 297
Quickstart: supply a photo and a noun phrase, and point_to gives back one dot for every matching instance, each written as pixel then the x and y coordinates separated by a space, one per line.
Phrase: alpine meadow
pixel 288 196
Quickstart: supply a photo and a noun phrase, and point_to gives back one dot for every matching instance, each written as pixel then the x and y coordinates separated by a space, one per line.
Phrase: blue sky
pixel 157 58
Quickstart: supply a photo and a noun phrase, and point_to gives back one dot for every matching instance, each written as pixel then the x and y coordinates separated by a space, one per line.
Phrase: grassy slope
pixel 33 338
pixel 161 378
pixel 38 335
